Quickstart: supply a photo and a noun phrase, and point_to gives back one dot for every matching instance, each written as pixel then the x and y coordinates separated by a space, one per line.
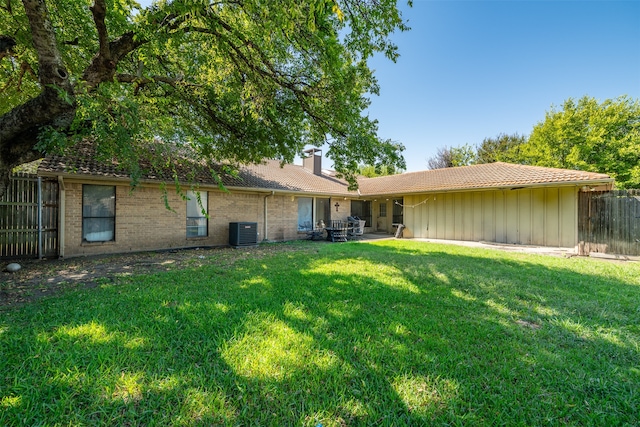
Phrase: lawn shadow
pixel 382 335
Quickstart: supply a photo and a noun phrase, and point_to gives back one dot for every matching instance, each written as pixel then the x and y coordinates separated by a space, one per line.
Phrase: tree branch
pixel 99 12
pixel 54 106
pixel 51 68
pixel 131 78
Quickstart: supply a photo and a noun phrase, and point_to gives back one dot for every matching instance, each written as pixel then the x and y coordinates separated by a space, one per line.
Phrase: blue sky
pixel 469 70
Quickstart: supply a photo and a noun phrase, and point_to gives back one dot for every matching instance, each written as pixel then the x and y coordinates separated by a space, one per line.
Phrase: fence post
pixel 39 218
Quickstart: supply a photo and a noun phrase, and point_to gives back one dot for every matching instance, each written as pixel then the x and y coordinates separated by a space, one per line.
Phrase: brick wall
pixel 144 223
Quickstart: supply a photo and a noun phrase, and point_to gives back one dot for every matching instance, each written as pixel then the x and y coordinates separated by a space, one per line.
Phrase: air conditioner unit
pixel 243 234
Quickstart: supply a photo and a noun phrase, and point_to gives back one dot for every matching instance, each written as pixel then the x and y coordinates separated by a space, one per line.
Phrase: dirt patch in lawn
pixel 42 278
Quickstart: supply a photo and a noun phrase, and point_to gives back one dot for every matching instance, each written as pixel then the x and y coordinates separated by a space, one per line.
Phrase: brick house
pixel 499 202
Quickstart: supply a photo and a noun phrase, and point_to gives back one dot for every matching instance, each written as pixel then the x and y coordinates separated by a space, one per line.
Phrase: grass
pixel 384 333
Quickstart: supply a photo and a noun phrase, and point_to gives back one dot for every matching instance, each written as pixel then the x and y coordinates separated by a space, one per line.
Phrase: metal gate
pixel 29 218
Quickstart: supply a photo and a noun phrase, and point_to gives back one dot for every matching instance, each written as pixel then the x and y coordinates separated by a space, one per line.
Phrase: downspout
pixel 266 217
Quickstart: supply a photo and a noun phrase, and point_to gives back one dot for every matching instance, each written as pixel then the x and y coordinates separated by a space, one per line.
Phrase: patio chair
pixel 356 228
pixel 314 234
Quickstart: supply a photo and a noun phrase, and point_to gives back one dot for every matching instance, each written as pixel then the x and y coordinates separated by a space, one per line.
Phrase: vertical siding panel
pixel 425 217
pixel 409 216
pixel 512 217
pixel 552 220
pixel 524 206
pixel 419 215
pixel 499 204
pixel 432 217
pixel 568 217
pixel 477 229
pixel 458 216
pixel 537 217
pixel 488 216
pixel 413 216
pixel 449 217
pixel 467 217
pixel 440 220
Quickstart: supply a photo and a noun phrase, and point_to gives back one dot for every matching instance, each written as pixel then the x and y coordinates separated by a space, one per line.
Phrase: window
pixel 323 212
pixel 98 213
pixel 397 211
pixel 310 217
pixel 305 213
pixel 362 209
pixel 197 208
pixel 383 209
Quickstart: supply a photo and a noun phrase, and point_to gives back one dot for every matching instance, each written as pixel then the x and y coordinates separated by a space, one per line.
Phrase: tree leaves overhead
pixel 449 157
pixel 502 148
pixel 591 136
pixel 235 81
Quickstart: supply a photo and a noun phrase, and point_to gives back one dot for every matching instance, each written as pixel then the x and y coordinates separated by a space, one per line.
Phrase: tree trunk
pixel 54 106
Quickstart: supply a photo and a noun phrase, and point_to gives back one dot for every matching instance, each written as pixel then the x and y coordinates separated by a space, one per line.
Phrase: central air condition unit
pixel 243 234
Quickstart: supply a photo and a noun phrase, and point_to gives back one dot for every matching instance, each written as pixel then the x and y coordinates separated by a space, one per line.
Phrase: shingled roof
pixel 483 176
pixel 290 178
pixel 82 163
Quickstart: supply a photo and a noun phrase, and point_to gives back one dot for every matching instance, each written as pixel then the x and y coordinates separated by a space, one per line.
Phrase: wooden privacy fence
pixel 609 222
pixel 29 218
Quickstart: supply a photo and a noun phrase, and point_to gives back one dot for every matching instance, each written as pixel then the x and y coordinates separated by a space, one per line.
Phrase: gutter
pixel 514 186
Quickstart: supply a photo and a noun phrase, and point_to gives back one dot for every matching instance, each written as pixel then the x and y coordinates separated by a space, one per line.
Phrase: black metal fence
pixel 609 222
pixel 29 218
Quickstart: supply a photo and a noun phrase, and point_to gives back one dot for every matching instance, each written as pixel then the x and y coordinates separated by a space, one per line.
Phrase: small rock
pixel 13 267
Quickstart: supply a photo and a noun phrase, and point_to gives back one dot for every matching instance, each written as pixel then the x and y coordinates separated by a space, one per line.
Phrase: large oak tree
pixel 233 81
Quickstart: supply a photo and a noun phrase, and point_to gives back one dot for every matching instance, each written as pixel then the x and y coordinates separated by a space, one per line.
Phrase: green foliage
pixel 233 81
pixel 502 148
pixel 449 157
pixel 583 135
pixel 399 333
pixel 463 156
pixel 371 171
pixel 591 136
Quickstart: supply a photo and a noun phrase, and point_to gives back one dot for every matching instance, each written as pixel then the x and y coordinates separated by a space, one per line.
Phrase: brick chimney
pixel 313 160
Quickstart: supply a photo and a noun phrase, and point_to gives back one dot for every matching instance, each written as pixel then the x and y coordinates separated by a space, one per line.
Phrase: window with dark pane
pixel 362 210
pixel 398 217
pixel 98 213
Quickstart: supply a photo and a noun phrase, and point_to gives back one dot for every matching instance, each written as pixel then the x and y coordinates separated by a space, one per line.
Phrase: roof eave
pixel 156 182
pixel 575 183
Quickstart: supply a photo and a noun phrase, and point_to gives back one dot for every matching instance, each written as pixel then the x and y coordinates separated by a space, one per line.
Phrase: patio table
pixel 334 232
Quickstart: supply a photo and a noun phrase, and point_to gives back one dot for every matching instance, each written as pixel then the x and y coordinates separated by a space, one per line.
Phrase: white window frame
pixel 308 214
pixel 197 214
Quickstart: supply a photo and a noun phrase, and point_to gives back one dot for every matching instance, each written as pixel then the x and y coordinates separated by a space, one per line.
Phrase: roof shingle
pixel 489 175
pixel 271 176
pixel 267 176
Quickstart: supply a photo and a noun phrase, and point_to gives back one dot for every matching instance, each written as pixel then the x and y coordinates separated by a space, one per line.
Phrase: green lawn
pixel 384 333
